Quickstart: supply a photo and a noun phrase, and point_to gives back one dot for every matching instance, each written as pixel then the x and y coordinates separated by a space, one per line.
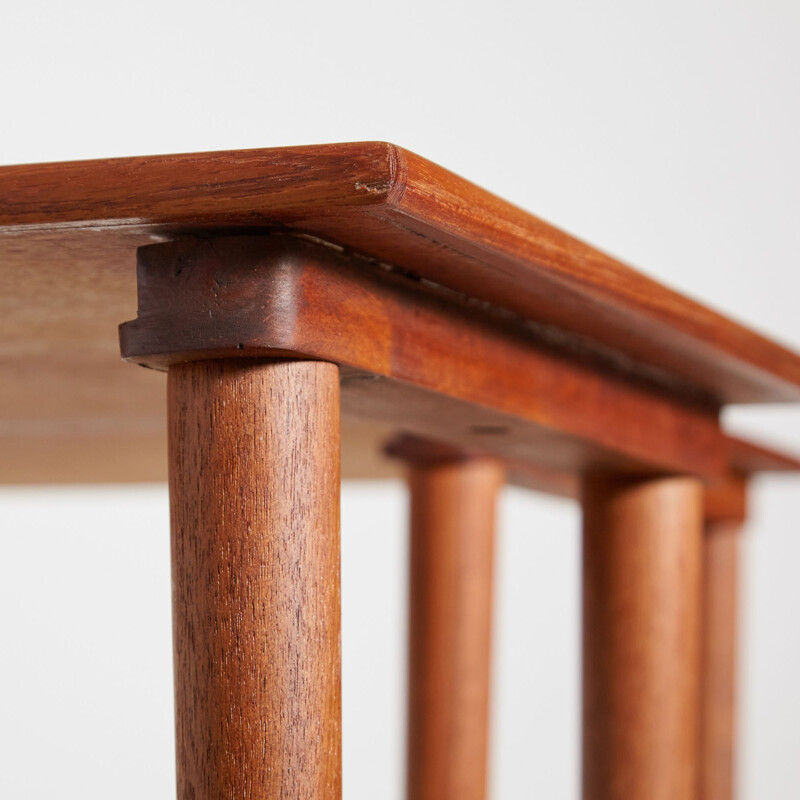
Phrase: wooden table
pixel 466 339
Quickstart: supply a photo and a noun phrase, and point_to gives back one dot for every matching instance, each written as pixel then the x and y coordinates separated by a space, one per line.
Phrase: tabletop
pixel 69 232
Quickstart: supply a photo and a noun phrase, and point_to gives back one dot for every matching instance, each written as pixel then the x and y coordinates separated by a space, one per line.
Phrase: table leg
pixel 254 493
pixel 452 536
pixel 641 628
pixel 720 574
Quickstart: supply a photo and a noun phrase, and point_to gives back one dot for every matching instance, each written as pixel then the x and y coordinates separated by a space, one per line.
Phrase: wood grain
pixel 414 357
pixel 141 457
pixel 69 232
pixel 452 543
pixel 641 637
pixel 254 497
pixel 137 456
pixel 719 662
pixel 392 205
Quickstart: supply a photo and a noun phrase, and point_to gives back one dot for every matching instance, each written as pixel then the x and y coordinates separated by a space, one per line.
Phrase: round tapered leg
pixel 254 494
pixel 452 536
pixel 641 631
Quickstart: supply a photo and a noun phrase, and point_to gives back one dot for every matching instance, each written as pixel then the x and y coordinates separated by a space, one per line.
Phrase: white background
pixel 664 133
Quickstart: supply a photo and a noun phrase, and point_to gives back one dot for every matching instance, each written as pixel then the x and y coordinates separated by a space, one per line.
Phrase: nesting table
pixel 357 310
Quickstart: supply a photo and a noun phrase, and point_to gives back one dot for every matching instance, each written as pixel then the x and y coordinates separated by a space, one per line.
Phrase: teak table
pixel 463 337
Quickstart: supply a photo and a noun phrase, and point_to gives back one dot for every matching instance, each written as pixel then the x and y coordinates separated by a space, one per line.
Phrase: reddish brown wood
pixel 139 457
pixel 641 629
pixel 68 233
pixel 718 673
pixel 415 357
pixel 390 204
pixel 452 533
pixel 726 499
pixel 748 458
pixel 254 493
